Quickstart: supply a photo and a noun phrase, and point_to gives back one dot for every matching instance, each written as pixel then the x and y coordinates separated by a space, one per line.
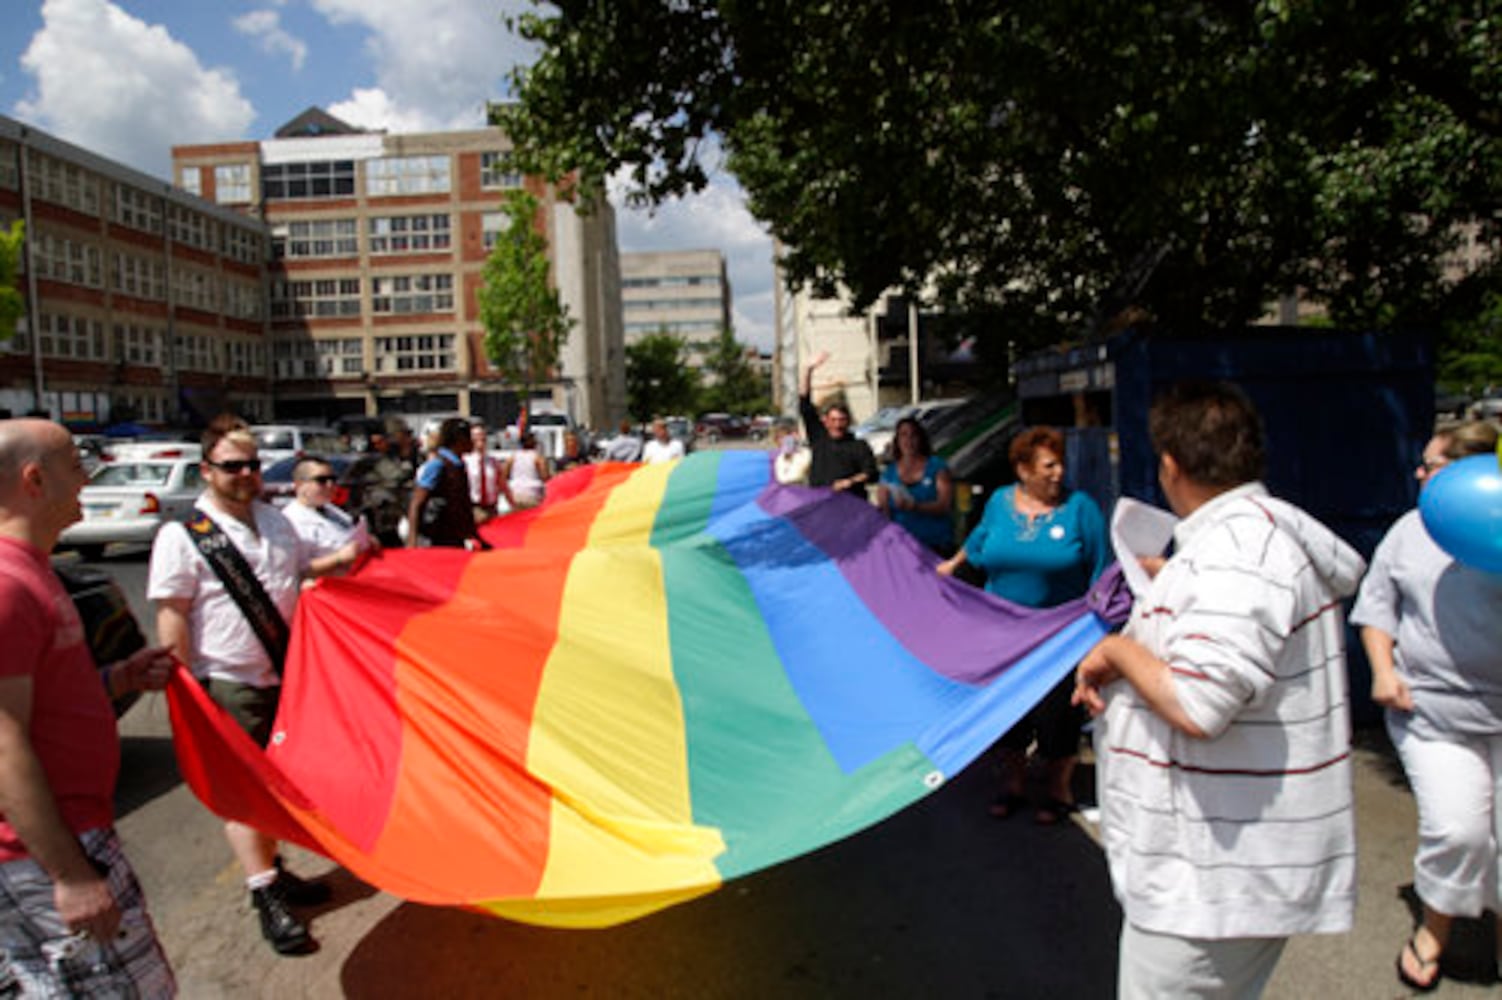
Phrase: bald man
pixel 73 919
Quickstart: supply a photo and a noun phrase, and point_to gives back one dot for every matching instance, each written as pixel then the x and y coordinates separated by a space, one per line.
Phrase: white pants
pixel 1456 784
pixel 1160 966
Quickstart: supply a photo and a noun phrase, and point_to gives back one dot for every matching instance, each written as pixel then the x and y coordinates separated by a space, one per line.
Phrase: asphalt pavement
pixel 938 901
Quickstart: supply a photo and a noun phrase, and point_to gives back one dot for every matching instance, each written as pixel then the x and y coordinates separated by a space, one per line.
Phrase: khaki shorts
pixel 252 708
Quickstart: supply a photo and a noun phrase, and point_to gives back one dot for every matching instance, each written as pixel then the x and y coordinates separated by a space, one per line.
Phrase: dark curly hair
pixel 1212 430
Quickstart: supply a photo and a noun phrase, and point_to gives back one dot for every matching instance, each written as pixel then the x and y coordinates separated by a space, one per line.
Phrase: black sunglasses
pixel 235 466
pixel 322 480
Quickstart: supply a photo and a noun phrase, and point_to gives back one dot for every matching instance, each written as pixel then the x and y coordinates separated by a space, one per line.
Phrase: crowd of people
pixel 1221 718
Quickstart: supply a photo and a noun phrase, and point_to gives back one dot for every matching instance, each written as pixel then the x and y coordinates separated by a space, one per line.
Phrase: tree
pixel 12 303
pixel 659 380
pixel 1053 166
pixel 735 386
pixel 526 323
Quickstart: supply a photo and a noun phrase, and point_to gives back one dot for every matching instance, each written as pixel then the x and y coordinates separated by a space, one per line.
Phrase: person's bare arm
pixel 80 892
pixel 1118 658
pixel 172 628
pixel 954 562
pixel 414 514
pixel 1388 689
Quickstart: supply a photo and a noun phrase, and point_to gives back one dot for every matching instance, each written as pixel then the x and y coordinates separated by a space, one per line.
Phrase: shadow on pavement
pixel 148 769
pixel 940 900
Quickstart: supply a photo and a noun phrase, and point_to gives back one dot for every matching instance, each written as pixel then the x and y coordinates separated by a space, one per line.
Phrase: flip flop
pixel 1006 804
pixel 1409 981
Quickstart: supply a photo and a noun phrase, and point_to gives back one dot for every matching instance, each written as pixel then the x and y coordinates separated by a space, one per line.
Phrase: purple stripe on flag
pixel 961 631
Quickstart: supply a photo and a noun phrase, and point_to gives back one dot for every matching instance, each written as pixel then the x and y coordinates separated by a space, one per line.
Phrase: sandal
pixel 1412 947
pixel 1053 811
pixel 1005 804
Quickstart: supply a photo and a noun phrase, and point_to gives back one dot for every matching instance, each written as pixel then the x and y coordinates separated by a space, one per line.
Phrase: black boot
pixel 285 932
pixel 299 891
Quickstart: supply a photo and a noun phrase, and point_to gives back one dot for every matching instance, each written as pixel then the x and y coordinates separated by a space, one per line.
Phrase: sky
pixel 129 79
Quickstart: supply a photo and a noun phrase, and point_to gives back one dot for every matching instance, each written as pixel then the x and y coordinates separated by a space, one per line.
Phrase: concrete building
pixel 143 302
pixel 685 292
pixel 378 243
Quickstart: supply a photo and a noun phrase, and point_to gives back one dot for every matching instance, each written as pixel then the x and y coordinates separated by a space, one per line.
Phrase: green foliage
pixel 1470 353
pixel 659 381
pixel 12 303
pixel 1052 165
pixel 526 323
pixel 734 385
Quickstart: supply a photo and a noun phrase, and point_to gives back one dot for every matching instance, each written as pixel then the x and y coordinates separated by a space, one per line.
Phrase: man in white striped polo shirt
pixel 1223 738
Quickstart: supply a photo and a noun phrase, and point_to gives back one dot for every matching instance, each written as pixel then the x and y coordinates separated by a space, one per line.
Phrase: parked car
pixel 129 500
pixel 275 442
pixel 1488 408
pixel 713 427
pixel 927 413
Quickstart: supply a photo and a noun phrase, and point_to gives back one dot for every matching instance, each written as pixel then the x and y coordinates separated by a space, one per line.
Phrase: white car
pixel 275 442
pixel 127 500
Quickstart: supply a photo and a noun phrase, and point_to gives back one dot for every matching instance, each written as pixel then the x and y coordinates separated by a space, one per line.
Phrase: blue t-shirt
pixel 933 530
pixel 1053 560
pixel 432 469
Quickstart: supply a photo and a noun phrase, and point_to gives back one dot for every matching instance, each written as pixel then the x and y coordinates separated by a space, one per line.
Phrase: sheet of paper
pixel 1137 530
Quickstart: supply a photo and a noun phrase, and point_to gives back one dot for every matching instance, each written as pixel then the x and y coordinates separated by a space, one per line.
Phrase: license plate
pixel 96 513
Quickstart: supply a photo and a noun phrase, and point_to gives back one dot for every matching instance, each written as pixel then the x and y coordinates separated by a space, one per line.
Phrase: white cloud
pixel 373 108
pixel 265 25
pixel 123 88
pixel 716 219
pixel 437 62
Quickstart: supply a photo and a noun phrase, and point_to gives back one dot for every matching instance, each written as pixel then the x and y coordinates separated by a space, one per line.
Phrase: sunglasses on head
pixel 235 466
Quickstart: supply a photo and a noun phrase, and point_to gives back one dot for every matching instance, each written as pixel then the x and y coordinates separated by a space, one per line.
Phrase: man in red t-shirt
pixel 74 921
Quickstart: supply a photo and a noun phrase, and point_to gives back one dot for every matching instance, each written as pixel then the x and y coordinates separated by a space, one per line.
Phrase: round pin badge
pixel 1056 532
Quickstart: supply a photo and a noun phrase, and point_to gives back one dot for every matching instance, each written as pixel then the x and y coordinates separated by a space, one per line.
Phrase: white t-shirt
pixel 325 531
pixel 655 451
pixel 477 465
pixel 221 641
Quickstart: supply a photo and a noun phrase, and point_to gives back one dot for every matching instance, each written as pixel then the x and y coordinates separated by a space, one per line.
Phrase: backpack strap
pixel 229 565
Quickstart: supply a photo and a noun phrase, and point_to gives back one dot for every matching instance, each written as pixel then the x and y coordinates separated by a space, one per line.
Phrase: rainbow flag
pixel 665 677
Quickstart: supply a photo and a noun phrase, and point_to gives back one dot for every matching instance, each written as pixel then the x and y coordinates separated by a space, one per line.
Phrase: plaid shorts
pixel 45 960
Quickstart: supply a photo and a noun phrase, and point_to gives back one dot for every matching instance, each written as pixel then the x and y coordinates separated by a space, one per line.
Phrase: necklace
pixel 1028 524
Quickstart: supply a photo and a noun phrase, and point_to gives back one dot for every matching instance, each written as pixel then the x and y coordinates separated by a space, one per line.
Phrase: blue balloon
pixel 1462 511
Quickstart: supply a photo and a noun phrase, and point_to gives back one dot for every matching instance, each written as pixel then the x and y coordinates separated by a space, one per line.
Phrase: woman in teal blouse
pixel 1039 545
pixel 915 491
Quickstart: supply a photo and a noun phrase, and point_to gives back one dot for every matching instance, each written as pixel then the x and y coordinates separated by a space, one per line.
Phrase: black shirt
pixel 835 458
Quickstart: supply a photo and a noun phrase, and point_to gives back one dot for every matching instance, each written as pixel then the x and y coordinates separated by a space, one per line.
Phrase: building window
pixel 492 225
pixel 324 297
pixel 418 352
pixel 320 179
pixel 141 277
pixel 137 209
pixel 496 172
pixel 194 289
pixel 70 261
pixel 232 184
pixel 138 345
pixel 63 183
pixel 10 174
pixel 243 245
pixel 72 337
pixel 242 301
pixel 316 238
pixel 244 358
pixel 402 294
pixel 407 175
pixel 193 228
pixel 191 181
pixel 409 233
pixel 196 352
pixel 339 357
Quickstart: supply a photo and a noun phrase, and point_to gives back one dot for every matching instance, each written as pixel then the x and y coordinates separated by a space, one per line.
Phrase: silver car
pixel 127 501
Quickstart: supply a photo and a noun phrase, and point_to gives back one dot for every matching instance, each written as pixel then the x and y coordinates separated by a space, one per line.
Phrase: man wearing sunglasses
pixel 226 583
pixel 319 522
